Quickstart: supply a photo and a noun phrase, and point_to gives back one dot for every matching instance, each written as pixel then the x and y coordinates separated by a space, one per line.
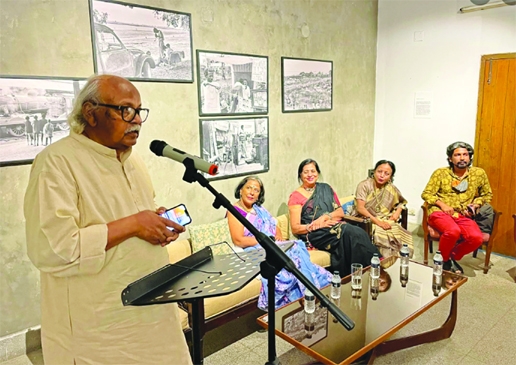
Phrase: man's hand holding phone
pixel 151 227
pixel 172 225
pixel 175 218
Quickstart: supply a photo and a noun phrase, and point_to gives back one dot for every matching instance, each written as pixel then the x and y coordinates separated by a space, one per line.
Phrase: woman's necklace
pixel 310 190
pixel 245 208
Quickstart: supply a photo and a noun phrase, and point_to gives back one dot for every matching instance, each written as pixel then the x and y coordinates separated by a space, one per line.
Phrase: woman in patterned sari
pixel 378 199
pixel 316 218
pixel 251 195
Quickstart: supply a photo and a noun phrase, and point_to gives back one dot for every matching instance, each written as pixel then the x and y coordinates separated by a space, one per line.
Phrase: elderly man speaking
pixel 92 228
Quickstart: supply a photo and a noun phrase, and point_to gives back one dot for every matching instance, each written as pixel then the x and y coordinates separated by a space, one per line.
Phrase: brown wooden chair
pixel 431 234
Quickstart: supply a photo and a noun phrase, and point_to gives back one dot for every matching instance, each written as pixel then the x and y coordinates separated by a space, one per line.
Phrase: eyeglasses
pixel 128 113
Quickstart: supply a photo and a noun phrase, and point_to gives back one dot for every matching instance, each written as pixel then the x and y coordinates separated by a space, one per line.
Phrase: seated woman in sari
pixel 378 199
pixel 251 195
pixel 315 217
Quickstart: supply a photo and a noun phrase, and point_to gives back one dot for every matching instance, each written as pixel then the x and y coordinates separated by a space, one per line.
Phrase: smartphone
pixel 178 214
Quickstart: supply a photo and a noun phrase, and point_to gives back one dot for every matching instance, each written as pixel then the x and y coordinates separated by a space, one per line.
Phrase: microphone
pixel 161 148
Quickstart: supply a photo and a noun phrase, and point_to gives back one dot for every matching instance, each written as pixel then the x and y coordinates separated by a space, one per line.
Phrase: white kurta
pixel 76 187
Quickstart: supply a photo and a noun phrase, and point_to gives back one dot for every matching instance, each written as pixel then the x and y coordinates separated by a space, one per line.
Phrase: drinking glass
pixel 356 276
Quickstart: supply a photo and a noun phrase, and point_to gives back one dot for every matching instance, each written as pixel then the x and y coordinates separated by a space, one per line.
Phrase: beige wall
pixel 52 38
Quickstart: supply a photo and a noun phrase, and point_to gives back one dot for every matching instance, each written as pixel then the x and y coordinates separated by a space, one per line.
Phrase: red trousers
pixel 452 230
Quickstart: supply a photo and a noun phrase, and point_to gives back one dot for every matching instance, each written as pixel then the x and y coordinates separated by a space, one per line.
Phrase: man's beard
pixel 461 164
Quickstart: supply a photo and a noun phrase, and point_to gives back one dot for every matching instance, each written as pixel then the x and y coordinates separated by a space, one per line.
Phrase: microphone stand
pixel 275 260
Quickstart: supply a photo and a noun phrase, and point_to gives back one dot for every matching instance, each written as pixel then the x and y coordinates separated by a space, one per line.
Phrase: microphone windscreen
pixel 157 147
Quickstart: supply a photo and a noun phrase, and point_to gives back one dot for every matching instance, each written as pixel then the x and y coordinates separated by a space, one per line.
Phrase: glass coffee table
pixel 320 336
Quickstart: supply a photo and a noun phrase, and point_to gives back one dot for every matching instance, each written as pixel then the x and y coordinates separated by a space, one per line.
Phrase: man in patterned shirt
pixel 454 194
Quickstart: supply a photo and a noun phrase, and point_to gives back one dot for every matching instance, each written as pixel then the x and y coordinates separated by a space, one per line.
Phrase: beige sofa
pixel 219 310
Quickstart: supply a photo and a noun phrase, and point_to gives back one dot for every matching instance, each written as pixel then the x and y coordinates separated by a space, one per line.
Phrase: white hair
pixel 90 92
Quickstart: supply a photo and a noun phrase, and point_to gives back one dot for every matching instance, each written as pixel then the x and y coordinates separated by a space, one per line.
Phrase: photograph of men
pixel 229 82
pixel 210 102
pixel 38 129
pixel 29 131
pixel 92 228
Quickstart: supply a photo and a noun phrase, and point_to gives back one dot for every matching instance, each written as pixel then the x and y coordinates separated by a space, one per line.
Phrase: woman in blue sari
pixel 251 195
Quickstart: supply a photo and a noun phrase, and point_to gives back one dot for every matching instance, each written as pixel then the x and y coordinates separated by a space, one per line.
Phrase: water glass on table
pixel 356 276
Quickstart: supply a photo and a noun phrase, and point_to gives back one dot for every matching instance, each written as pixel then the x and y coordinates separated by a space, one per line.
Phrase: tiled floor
pixel 485 332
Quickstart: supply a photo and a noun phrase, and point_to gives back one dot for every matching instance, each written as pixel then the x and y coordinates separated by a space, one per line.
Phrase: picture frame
pixel 306 85
pixel 232 84
pixel 38 99
pixel 141 43
pixel 307 329
pixel 238 146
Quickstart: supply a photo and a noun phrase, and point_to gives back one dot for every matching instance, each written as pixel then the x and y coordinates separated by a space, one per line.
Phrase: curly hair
pixel 451 148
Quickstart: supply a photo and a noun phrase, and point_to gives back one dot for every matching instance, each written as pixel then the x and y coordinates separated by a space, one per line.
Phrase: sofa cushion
pixel 209 234
pixel 321 258
pixel 216 305
pixel 283 223
pixel 183 317
pixel 178 250
pixel 348 204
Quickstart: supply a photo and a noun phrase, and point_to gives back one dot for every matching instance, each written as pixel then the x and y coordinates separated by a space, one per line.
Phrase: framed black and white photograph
pixel 232 84
pixel 306 85
pixel 237 146
pixel 33 114
pixel 141 42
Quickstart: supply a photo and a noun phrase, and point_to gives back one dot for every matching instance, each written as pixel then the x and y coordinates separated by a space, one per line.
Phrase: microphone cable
pixel 220 243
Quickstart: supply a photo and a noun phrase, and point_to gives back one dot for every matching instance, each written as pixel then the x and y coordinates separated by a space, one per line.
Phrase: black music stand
pixel 201 275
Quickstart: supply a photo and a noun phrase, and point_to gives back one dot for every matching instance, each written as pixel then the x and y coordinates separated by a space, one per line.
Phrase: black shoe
pixel 447 265
pixel 456 268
